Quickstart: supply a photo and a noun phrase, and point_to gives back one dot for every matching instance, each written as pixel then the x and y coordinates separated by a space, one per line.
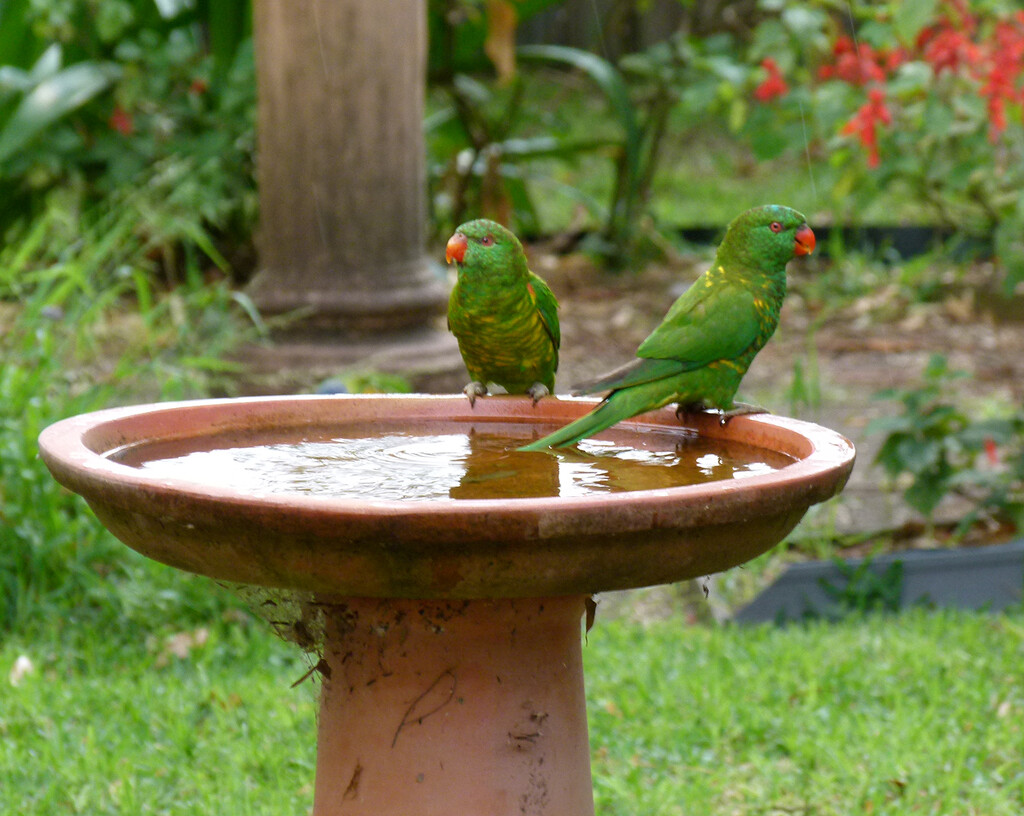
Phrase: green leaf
pixel 47 65
pixel 890 424
pixel 228 24
pixel 938 367
pixel 169 9
pixel 910 16
pixel 522 205
pixel 14 79
pixel 917 456
pixel 16 40
pixel 608 80
pixel 925 493
pixel 805 23
pixel 50 100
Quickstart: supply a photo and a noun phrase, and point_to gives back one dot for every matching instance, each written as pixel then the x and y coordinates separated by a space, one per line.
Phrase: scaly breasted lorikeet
pixel 707 340
pixel 503 315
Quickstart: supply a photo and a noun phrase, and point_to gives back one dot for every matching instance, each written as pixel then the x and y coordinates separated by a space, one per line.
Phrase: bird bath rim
pixel 79 449
pixel 445 548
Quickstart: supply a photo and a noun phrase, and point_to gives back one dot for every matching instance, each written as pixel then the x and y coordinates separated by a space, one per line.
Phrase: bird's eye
pixel 775 226
pixel 487 240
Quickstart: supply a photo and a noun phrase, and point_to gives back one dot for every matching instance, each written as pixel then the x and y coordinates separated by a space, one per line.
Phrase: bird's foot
pixel 473 390
pixel 690 408
pixel 536 391
pixel 739 409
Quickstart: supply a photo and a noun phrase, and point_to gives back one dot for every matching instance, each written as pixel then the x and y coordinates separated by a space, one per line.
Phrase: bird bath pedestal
pixel 452 670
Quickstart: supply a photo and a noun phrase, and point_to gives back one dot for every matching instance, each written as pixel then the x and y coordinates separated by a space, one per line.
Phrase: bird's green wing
pixel 706 323
pixel 634 372
pixel 547 305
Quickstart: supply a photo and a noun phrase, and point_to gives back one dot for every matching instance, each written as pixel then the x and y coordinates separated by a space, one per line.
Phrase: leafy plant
pixel 83 327
pixel 32 102
pixel 940 450
pixel 482 161
pixel 863 589
pixel 93 95
pixel 489 143
pixel 685 81
pixel 922 97
pixel 44 94
pixel 493 149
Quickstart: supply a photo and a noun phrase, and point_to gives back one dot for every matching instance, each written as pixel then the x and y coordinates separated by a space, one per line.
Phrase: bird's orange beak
pixel 455 250
pixel 804 241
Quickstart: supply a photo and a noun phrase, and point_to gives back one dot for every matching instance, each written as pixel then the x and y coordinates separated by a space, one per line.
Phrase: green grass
pixel 85 324
pixel 129 728
pixel 920 713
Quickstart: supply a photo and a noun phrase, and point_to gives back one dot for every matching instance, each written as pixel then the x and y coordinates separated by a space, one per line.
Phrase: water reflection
pixel 422 464
pixel 494 470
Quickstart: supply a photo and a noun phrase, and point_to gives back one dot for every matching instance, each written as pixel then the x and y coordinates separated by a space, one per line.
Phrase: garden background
pixel 617 138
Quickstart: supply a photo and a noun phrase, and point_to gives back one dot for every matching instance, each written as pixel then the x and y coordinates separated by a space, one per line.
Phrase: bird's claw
pixel 689 408
pixel 537 391
pixel 473 390
pixel 740 409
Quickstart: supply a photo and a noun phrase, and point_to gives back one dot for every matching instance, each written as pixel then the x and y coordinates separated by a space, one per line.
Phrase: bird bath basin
pixel 451 645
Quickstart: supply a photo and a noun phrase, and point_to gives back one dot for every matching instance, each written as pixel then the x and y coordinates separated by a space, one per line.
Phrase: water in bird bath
pixel 447 461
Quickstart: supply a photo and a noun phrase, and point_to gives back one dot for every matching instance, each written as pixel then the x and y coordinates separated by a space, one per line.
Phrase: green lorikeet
pixel 504 316
pixel 707 340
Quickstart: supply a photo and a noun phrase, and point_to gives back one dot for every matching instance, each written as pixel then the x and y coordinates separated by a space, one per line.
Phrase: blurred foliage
pixel 94 94
pixel 862 589
pixel 916 102
pixel 922 98
pixel 69 346
pixel 890 101
pixel 488 143
pixel 939 449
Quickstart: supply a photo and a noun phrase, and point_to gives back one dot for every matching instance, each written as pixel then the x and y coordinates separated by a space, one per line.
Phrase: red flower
pixel 859 64
pixel 893 59
pixel 773 86
pixel 967 22
pixel 121 121
pixel 947 48
pixel 865 122
pixel 1004 69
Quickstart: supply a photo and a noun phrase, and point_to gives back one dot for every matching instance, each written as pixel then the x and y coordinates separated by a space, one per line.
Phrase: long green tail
pixel 603 416
pixel 618 406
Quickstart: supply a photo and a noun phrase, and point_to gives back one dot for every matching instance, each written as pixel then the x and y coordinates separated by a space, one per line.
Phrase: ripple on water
pixel 441 462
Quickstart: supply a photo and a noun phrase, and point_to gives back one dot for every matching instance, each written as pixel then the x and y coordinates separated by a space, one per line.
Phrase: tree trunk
pixel 342 164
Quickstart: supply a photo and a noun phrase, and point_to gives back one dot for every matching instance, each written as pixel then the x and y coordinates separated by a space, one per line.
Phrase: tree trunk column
pixel 341 164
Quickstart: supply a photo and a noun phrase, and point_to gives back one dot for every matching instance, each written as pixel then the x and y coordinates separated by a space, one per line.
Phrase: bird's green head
pixel 766 238
pixel 486 247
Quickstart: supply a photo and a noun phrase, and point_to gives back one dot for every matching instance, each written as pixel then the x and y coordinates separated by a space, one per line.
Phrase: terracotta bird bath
pixel 452 675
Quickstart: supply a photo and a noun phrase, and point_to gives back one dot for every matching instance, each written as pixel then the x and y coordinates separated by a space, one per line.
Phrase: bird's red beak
pixel 455 250
pixel 804 241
